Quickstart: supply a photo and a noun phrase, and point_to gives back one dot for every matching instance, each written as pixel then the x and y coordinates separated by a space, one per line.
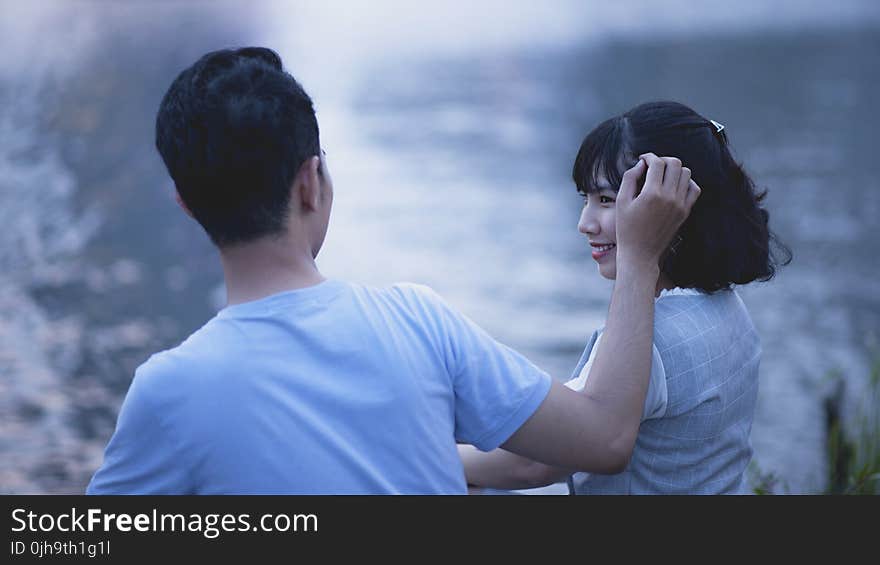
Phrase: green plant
pixel 763 482
pixel 854 458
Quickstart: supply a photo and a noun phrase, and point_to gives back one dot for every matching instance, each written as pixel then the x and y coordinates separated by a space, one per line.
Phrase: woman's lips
pixel 601 251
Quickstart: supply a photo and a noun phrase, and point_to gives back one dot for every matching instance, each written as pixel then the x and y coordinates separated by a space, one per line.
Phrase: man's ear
pixel 308 183
pixel 182 204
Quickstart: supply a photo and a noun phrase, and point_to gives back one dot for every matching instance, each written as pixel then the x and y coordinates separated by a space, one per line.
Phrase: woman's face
pixel 598 222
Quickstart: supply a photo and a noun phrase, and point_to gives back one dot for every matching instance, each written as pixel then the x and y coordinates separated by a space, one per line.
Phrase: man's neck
pixel 265 267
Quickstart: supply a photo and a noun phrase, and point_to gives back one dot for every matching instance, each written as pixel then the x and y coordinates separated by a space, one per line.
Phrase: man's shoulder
pixel 416 309
pixel 401 289
pixel 415 292
pixel 205 350
pixel 414 298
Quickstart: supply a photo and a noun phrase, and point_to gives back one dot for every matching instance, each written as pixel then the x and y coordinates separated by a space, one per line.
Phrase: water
pixel 450 140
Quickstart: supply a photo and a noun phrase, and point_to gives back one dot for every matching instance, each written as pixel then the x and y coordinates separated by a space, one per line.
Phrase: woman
pixel 697 418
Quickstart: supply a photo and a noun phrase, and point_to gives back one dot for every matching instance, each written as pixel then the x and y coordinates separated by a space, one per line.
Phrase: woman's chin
pixel 607 272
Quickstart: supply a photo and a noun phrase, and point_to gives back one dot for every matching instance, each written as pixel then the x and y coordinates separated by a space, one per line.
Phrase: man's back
pixel 333 388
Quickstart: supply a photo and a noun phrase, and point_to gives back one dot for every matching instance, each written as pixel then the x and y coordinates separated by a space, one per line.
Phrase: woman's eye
pixel 605 200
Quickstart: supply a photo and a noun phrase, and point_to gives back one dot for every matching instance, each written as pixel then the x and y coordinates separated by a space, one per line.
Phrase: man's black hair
pixel 726 239
pixel 233 130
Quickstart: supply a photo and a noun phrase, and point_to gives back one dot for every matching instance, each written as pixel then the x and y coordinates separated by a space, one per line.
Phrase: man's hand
pixel 646 223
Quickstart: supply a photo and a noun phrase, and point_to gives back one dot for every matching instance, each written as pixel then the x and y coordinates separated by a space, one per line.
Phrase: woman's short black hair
pixel 726 239
pixel 233 130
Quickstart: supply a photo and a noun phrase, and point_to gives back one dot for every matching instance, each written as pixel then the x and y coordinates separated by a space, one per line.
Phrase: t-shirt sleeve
pixel 656 398
pixel 496 388
pixel 142 456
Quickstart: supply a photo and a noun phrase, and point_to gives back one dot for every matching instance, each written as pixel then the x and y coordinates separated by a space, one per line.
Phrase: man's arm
pixel 595 429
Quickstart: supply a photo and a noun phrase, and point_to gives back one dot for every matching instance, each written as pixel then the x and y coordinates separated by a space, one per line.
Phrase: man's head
pixel 239 138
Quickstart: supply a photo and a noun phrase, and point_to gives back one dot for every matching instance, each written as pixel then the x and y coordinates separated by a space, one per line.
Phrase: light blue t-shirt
pixel 335 388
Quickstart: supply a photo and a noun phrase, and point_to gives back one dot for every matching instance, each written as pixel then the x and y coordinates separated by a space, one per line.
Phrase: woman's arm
pixel 505 470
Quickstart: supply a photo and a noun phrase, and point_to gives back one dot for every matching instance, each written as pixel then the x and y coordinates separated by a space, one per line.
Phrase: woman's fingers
pixel 684 180
pixel 692 194
pixel 665 175
pixel 656 167
pixel 671 174
pixel 629 184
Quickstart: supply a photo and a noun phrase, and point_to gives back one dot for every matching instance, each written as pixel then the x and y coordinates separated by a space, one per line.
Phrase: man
pixel 308 385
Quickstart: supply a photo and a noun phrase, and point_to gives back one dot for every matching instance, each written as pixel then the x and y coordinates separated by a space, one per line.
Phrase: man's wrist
pixel 638 267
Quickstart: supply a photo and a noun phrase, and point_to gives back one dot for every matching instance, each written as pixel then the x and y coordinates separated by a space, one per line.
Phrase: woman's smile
pixel 602 250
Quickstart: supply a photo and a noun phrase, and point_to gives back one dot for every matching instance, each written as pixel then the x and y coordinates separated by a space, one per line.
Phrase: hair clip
pixel 718 126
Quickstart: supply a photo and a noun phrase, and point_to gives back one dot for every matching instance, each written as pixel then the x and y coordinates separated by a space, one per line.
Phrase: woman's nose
pixel 588 224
